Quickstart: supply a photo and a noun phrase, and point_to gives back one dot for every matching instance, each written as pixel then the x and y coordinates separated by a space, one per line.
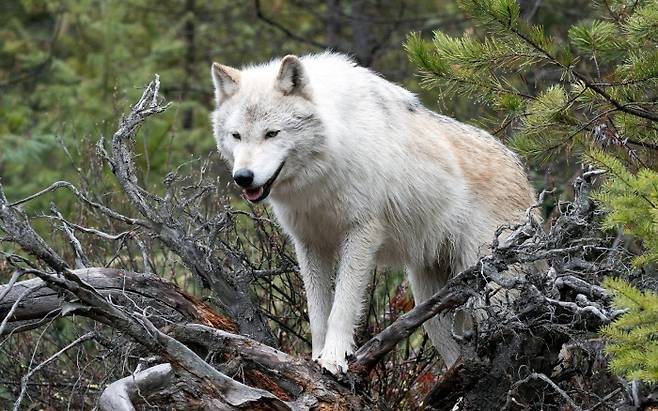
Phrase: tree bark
pixel 120 285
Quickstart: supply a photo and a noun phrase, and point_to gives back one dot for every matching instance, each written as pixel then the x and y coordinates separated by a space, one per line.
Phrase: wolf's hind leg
pixel 425 282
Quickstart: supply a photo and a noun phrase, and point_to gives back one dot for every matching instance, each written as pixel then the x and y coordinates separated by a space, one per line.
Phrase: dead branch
pixel 122 287
pixel 92 204
pixel 31 372
pixel 138 326
pixel 231 289
pixel 376 348
pixel 542 377
pixel 15 224
pixel 297 380
pixel 120 395
pixel 11 313
pixel 276 371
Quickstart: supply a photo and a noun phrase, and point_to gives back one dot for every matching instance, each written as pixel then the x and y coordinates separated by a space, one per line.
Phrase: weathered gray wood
pixel 120 285
pixel 300 381
pixel 231 289
pixel 119 395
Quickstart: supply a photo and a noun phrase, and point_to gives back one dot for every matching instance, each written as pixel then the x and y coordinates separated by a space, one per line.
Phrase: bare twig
pixel 14 223
pixel 31 372
pixel 542 377
pixel 370 353
pixel 65 184
pixel 14 276
pixel 285 30
pixel 81 260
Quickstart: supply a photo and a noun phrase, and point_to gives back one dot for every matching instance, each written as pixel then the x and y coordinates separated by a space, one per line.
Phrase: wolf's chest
pixel 324 226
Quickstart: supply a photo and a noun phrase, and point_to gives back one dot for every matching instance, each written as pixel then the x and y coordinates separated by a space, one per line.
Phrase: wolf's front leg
pixel 317 269
pixel 357 261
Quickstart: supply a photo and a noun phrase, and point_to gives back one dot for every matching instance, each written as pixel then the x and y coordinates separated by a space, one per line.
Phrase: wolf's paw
pixel 334 366
pixel 334 359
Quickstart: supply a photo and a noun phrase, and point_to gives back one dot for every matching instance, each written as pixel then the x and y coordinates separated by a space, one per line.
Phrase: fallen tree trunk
pixel 120 286
pixel 271 379
pixel 291 378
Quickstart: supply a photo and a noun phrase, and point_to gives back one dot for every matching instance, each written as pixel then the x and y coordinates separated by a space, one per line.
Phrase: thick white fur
pixel 371 177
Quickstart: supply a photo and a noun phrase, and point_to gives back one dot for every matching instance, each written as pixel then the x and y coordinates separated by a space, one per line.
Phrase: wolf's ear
pixel 292 77
pixel 226 80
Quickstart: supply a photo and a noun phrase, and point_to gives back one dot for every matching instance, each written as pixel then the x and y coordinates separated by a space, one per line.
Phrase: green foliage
pixel 595 39
pixel 550 92
pixel 633 338
pixel 68 68
pixel 631 200
pixel 642 26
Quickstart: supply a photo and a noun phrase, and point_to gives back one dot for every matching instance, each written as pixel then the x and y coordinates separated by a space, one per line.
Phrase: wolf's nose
pixel 243 177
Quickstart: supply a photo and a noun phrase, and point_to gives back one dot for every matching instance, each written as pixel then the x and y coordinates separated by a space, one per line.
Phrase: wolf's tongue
pixel 253 194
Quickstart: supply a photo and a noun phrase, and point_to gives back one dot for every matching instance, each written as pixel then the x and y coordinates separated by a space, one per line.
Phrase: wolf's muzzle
pixel 256 194
pixel 243 177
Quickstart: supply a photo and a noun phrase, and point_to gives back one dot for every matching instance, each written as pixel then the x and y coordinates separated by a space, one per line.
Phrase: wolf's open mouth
pixel 257 194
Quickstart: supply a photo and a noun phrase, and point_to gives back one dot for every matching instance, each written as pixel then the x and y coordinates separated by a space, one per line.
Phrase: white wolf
pixel 360 174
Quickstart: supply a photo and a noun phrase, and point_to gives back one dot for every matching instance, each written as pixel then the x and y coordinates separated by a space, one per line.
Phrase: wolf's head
pixel 266 125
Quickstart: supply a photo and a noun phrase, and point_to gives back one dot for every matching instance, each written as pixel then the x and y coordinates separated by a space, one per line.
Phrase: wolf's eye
pixel 236 135
pixel 271 133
